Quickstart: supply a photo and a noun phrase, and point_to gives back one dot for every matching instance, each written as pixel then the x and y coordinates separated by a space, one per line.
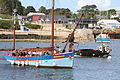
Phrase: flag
pixel 19 17
pixel 24 29
pixel 21 23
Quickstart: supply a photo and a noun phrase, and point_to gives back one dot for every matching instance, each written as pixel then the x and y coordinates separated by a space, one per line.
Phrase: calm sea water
pixel 84 68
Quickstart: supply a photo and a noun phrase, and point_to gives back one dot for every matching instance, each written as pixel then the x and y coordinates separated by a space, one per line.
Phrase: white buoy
pixel 109 57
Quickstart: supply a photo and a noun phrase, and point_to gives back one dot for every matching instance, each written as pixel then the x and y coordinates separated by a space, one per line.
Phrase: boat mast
pixel 72 32
pixel 14 19
pixel 52 24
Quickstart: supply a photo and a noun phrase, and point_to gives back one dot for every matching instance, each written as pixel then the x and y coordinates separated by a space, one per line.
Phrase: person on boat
pixel 21 53
pixel 47 53
pixel 71 46
pixel 71 39
pixel 29 53
pixel 103 48
pixel 13 54
pixel 17 53
pixel 58 46
pixel 55 51
pixel 26 52
pixel 58 49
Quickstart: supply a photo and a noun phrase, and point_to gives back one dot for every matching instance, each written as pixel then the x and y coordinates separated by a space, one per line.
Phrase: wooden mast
pixel 72 32
pixel 14 43
pixel 52 24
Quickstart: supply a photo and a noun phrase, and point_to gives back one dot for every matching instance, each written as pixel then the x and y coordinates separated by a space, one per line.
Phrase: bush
pixel 5 24
pixel 33 26
pixel 5 16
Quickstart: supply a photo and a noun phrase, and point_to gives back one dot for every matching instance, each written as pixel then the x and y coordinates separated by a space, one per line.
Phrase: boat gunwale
pixel 40 55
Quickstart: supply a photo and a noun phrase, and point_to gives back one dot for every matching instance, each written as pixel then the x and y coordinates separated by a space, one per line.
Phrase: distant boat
pixel 102 51
pixel 40 56
pixel 102 38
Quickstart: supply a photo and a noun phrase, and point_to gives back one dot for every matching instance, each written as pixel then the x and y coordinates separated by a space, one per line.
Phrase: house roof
pixel 31 13
pixel 109 21
pixel 71 18
pixel 89 20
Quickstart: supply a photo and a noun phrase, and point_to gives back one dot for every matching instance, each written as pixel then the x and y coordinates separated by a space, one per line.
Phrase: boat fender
pixel 93 54
pixel 23 63
pixel 109 57
pixel 54 64
pixel 80 54
pixel 37 64
pixel 18 63
pixel 108 51
pixel 26 62
pixel 12 62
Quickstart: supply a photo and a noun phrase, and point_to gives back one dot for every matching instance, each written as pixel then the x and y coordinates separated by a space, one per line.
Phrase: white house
pixel 32 13
pixel 112 24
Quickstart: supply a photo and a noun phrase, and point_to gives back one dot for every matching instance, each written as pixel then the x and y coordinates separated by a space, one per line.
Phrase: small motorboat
pixel 102 51
pixel 103 38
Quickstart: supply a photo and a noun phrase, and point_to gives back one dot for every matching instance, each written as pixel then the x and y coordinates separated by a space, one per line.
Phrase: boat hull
pixel 53 61
pixel 91 53
pixel 103 40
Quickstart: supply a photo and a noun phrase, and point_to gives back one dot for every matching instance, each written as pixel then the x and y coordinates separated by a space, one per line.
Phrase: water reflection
pixel 84 68
pixel 31 73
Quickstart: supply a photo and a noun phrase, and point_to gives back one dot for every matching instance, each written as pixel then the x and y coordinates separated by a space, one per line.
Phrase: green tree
pixel 19 8
pixel 7 6
pixel 48 11
pixel 29 9
pixel 112 12
pixel 103 13
pixel 58 11
pixel 42 9
pixel 90 11
pixel 74 15
pixel 4 7
pixel 63 11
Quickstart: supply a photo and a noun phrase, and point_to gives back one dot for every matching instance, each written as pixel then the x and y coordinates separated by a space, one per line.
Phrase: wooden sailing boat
pixel 41 57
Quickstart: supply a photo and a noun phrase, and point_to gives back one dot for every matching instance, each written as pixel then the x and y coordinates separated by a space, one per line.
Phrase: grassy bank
pixel 8 24
pixel 5 16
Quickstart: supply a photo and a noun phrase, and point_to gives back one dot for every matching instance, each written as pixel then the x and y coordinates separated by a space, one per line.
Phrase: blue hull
pixel 105 40
pixel 53 61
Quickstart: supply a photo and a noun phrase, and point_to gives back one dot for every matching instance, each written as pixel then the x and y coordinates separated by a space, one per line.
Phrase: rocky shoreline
pixel 81 35
pixel 45 35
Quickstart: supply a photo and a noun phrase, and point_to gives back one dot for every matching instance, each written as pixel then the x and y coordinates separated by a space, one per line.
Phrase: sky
pixel 73 5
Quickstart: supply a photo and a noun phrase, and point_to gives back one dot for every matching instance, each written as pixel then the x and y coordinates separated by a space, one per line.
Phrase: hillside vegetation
pixel 5 16
pixel 8 24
